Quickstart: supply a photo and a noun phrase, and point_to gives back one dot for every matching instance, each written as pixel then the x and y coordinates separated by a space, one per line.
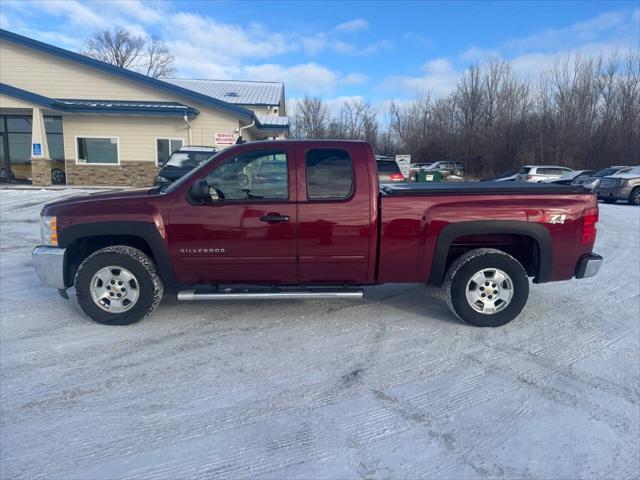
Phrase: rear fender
pixel 450 233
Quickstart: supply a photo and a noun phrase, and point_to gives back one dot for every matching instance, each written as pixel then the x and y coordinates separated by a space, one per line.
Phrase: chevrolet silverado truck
pixel 308 219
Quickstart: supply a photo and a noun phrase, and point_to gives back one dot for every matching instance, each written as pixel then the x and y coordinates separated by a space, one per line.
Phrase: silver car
pixel 538 173
pixel 622 186
pixel 591 182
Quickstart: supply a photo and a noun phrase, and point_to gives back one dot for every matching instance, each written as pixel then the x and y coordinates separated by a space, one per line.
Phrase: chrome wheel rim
pixel 636 197
pixel 489 291
pixel 114 289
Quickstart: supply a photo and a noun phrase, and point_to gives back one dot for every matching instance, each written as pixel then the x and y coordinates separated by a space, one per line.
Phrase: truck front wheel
pixel 118 285
pixel 486 287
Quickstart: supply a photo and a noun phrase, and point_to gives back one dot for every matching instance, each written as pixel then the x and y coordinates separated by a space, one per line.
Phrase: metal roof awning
pixel 127 107
pixel 272 122
pixel 113 107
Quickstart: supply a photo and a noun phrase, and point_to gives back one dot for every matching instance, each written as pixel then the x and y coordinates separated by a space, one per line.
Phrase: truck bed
pixel 480 188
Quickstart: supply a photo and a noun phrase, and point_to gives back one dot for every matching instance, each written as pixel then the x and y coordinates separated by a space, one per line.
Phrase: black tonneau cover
pixel 480 188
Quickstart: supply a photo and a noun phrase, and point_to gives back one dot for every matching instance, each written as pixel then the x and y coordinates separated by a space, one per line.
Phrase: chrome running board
pixel 193 295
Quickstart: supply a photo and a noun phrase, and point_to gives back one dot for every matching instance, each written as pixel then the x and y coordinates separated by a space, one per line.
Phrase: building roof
pixel 239 92
pixel 27 42
pixel 119 107
pixel 250 92
pixel 272 121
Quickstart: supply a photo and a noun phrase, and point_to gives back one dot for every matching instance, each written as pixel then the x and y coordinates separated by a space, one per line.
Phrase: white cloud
pixel 354 79
pixel 355 25
pixel 439 78
pixel 346 48
pixel 606 34
pixel 308 77
pixel 604 27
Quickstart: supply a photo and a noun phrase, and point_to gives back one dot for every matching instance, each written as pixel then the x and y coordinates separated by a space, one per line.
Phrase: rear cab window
pixel 524 170
pixel 329 174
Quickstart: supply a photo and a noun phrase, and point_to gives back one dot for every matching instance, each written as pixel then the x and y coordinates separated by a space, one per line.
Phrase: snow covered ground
pixel 389 387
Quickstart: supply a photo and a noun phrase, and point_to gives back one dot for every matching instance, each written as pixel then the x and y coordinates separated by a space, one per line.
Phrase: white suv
pixel 538 173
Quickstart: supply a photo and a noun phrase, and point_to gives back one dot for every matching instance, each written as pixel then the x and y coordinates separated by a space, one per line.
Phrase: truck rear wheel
pixel 118 285
pixel 486 287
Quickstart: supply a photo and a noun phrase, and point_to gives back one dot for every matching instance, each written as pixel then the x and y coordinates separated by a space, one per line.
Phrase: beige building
pixel 68 118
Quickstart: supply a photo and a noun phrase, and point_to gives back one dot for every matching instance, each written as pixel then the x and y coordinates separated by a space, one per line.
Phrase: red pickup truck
pixel 308 219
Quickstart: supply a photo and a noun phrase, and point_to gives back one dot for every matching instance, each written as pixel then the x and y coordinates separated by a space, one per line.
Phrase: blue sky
pixel 376 50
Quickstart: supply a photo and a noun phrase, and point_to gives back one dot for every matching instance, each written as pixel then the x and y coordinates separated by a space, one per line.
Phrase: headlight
pixel 49 230
pixel 622 182
pixel 160 179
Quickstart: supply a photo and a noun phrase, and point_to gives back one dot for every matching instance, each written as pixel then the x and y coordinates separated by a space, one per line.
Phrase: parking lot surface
pixel 387 387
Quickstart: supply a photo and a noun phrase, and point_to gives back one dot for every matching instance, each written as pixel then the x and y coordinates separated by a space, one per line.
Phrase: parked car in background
pixel 447 168
pixel 389 171
pixel 508 176
pixel 592 181
pixel 538 173
pixel 624 185
pixel 22 171
pixel 569 177
pixel 183 161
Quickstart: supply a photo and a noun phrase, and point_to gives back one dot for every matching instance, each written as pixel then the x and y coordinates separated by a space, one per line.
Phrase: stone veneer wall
pixel 130 174
pixel 40 171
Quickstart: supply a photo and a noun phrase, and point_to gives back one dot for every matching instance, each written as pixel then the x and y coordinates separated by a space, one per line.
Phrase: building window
pixel 97 150
pixel 329 174
pixel 53 127
pixel 165 147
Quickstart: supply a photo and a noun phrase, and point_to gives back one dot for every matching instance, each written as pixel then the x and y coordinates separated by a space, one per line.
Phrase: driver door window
pixel 256 175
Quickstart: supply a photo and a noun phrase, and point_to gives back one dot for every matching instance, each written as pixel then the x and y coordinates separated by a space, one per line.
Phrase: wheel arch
pixel 538 234
pixel 82 240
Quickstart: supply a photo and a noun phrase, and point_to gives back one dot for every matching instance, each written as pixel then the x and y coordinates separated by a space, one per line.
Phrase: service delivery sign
pixel 225 139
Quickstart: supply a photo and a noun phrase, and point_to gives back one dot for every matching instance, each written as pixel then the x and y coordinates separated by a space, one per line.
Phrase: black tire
pixel 58 177
pixel 465 267
pixel 634 198
pixel 608 200
pixel 137 263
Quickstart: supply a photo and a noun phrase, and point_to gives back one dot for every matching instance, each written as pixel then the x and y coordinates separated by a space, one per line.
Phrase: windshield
pixel 185 178
pixel 388 167
pixel 182 159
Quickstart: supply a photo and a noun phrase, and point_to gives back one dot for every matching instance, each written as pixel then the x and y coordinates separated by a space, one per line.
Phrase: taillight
pixel 529 177
pixel 589 220
pixel 396 177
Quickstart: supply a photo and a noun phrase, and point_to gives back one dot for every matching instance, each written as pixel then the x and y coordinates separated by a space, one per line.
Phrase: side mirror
pixel 200 191
pixel 203 193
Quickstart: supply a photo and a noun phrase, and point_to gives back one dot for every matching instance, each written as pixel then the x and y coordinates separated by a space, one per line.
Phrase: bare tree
pixel 159 60
pixel 310 118
pixel 584 113
pixel 121 48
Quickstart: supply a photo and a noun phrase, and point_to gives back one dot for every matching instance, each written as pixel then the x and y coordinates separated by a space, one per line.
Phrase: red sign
pixel 225 139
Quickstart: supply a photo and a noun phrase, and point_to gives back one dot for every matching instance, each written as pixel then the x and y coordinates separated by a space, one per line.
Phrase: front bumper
pixel 617 193
pixel 589 265
pixel 49 265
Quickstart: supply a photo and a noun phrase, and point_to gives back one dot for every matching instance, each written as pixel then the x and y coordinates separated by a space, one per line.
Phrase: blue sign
pixel 37 149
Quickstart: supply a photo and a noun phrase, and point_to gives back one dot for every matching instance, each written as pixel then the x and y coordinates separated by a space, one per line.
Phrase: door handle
pixel 275 218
